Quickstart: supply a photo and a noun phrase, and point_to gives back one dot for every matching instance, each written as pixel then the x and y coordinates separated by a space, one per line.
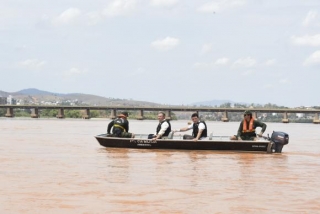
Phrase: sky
pixel 165 51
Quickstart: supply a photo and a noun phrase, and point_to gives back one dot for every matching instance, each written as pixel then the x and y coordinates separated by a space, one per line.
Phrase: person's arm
pixel 201 128
pixel 126 125
pixel 262 125
pixel 184 129
pixel 198 135
pixel 163 129
pixel 110 126
pixel 240 130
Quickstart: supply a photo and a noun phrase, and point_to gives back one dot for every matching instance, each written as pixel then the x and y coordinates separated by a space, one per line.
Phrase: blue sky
pixel 165 51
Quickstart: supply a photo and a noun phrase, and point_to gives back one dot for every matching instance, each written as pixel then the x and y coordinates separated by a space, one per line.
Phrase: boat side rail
pixel 180 137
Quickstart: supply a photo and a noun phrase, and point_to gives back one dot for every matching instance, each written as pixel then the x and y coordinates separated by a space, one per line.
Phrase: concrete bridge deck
pixel 168 109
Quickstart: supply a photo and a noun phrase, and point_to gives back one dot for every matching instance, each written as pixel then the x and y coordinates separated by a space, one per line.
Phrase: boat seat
pixel 170 135
pixel 210 136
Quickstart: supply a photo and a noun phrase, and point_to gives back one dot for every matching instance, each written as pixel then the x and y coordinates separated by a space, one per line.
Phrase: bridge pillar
pixel 140 116
pixel 113 114
pixel 316 118
pixel 285 118
pixel 225 117
pixel 254 115
pixel 60 114
pixel 87 114
pixel 9 112
pixel 198 114
pixel 35 113
pixel 168 115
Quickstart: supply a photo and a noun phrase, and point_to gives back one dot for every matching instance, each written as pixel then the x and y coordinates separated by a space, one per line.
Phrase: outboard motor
pixel 279 139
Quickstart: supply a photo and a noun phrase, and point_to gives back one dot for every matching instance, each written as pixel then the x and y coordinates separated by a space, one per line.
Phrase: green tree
pixel 225 105
pixel 73 114
pixel 22 113
pixel 3 112
pixel 48 113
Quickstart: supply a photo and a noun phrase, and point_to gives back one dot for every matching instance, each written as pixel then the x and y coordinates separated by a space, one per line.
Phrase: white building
pixel 11 100
pixel 300 115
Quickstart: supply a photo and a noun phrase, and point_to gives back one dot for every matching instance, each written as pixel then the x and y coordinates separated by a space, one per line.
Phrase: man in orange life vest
pixel 247 128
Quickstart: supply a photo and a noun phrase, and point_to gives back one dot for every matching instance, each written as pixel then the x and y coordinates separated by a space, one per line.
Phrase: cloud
pixel 313 59
pixel 202 65
pixel 120 7
pixel 245 62
pixel 32 63
pixel 270 62
pixel 206 48
pixel 94 17
pixel 69 16
pixel 283 81
pixel 21 48
pixel 220 5
pixel 210 65
pixel 164 3
pixel 307 40
pixel 222 61
pixel 248 72
pixel 311 16
pixel 73 72
pixel 165 44
pixel 268 86
pixel 137 73
pixel 44 22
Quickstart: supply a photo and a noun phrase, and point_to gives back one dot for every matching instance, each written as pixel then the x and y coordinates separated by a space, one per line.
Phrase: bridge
pixel 255 111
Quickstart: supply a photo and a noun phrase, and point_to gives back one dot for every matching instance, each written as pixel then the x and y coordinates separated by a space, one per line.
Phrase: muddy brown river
pixel 57 166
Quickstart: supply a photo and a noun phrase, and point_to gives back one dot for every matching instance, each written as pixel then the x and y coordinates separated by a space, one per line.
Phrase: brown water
pixel 57 166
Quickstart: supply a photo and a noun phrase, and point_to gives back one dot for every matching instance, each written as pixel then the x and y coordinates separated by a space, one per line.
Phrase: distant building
pixel 300 115
pixel 11 100
pixel 3 100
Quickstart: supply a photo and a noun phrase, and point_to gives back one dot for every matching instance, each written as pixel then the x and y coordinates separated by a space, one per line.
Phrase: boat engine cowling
pixel 279 139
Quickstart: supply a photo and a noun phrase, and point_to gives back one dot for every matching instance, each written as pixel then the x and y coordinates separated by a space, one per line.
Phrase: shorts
pixel 125 135
pixel 119 133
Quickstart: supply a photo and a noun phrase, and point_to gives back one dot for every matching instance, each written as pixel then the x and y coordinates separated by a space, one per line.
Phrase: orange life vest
pixel 245 128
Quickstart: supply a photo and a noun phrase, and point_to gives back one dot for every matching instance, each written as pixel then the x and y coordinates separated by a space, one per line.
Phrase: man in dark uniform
pixel 247 128
pixel 120 126
pixel 199 129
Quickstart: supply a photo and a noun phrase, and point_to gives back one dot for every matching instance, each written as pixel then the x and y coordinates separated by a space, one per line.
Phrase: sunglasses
pixel 246 115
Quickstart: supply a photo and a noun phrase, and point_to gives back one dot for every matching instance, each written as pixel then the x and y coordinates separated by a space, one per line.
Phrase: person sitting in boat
pixel 247 128
pixel 199 129
pixel 163 128
pixel 120 126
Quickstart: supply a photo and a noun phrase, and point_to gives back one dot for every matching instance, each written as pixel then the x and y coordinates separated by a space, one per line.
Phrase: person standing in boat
pixel 120 126
pixel 247 128
pixel 199 129
pixel 163 128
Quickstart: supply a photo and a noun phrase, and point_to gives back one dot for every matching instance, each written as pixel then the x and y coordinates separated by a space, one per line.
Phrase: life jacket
pixel 166 133
pixel 245 128
pixel 196 129
pixel 118 124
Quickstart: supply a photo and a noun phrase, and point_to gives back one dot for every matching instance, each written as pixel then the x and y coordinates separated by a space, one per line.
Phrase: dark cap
pixel 124 113
pixel 247 112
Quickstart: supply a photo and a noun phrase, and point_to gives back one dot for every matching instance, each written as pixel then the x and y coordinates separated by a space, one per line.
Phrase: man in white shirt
pixel 163 128
pixel 199 129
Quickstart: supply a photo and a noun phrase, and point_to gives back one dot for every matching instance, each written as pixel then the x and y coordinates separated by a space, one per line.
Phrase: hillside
pixel 35 96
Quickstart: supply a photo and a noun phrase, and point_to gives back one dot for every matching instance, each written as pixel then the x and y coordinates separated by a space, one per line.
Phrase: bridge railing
pixel 168 109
